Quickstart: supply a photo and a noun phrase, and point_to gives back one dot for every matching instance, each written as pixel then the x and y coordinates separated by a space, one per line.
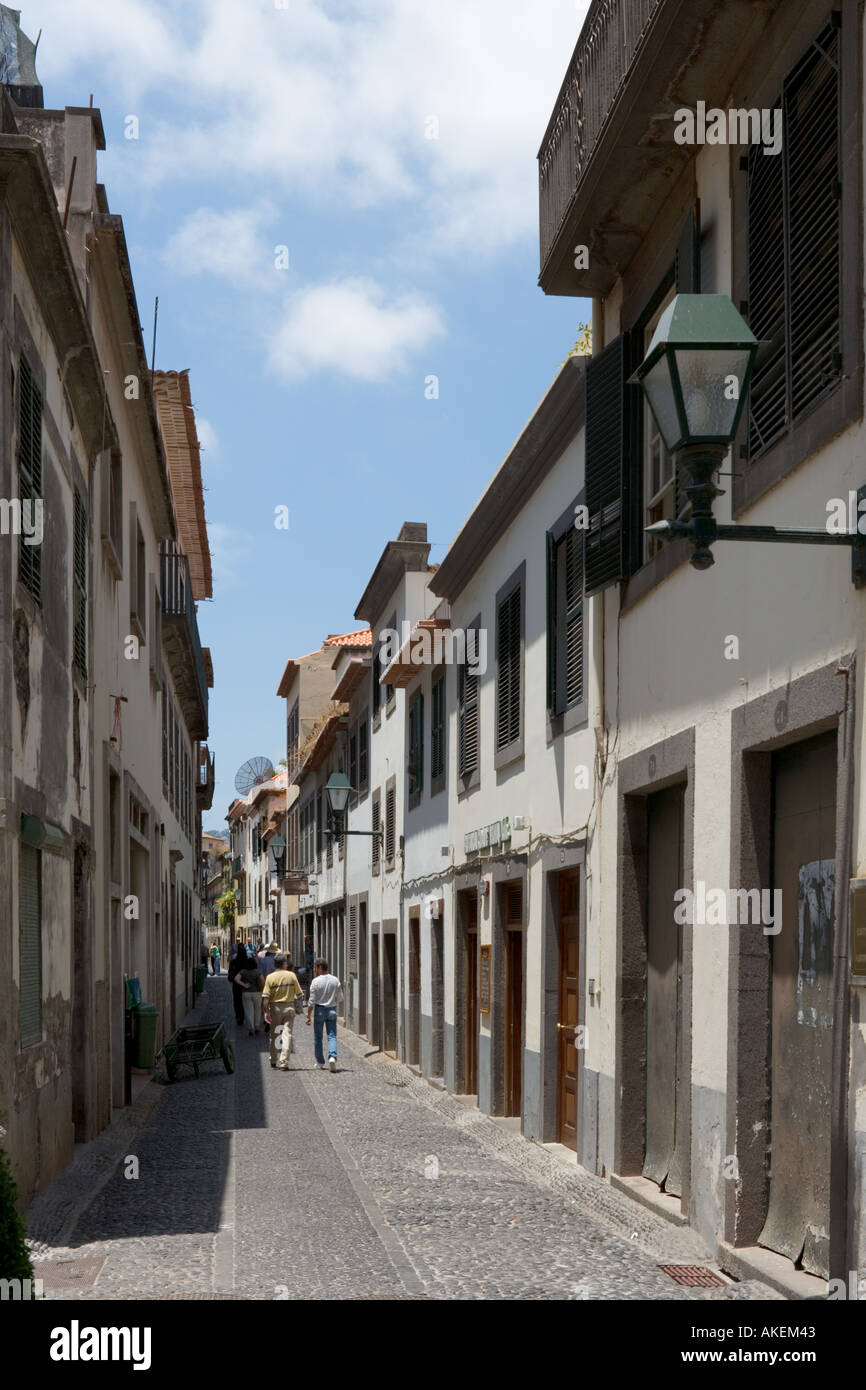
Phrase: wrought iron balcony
pixel 608 159
pixel 180 638
pixel 206 777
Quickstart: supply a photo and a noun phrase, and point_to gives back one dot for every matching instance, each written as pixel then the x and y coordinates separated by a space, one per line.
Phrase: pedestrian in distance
pixel 326 993
pixel 309 963
pixel 252 983
pixel 238 962
pixel 278 1000
pixel 266 957
pixel 215 959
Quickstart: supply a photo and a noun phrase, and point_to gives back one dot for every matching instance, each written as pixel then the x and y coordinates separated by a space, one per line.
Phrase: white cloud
pixel 228 244
pixel 229 550
pixel 350 327
pixel 207 438
pixel 322 103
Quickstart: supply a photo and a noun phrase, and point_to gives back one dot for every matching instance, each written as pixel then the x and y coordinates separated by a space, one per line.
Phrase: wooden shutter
pixel 513 905
pixel 794 248
pixel 765 241
pixel 606 460
pixel 390 823
pixel 688 281
pixel 550 569
pixel 353 938
pixel 812 137
pixel 508 663
pixel 363 761
pixel 353 758
pixel 30 925
pixel 437 729
pixel 468 717
pixel 29 472
pixel 377 824
pixel 79 586
pixel 572 550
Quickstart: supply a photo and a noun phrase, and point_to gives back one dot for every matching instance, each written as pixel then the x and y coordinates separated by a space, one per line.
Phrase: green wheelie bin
pixel 147 1016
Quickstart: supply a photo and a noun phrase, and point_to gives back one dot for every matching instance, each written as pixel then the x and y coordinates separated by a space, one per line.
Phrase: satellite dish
pixel 252 774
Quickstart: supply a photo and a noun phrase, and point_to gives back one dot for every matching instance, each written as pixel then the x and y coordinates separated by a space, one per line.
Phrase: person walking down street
pixel 215 959
pixel 326 993
pixel 252 982
pixel 266 958
pixel 309 963
pixel 238 962
pixel 278 1000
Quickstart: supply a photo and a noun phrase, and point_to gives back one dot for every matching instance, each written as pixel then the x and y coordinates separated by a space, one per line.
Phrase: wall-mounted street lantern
pixel 338 790
pixel 278 848
pixel 695 377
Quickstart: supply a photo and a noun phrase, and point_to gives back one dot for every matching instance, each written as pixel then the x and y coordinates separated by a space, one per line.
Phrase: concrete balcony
pixel 180 638
pixel 608 159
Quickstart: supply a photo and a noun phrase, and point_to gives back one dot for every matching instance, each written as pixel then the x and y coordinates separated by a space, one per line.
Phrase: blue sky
pixel 390 147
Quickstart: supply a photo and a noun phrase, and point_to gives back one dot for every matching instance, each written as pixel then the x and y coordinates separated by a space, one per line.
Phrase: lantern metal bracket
pixel 703 530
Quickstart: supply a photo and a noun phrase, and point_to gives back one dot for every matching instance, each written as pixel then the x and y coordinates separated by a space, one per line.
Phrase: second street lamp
pixel 338 790
pixel 695 377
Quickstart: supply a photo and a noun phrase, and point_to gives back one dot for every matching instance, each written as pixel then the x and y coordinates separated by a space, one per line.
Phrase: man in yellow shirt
pixel 278 1001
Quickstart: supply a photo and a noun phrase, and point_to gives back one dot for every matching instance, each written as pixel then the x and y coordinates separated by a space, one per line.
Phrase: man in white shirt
pixel 326 993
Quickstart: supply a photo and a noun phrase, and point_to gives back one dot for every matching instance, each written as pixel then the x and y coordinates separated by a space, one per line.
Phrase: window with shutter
pixel 513 904
pixel 353 938
pixel 415 768
pixel 79 586
pixel 794 249
pixel 29 472
pixel 376 827
pixel 468 692
pixel 606 450
pixel 437 735
pixel 353 758
pixel 508 692
pixel 566 620
pixel 30 936
pixel 390 824
pixel 363 751
pixel 508 734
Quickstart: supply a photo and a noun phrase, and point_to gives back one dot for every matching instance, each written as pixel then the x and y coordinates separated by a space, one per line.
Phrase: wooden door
pixel 362 969
pixel 389 992
pixel 471 1016
pixel 513 999
pixel 375 992
pixel 414 1040
pixel 664 1082
pixel 568 1007
pixel 801 1023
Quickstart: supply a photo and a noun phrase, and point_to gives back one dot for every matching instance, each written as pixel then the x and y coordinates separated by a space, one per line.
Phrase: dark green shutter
pixel 606 463
pixel 468 720
pixel 29 472
pixel 437 729
pixel 551 623
pixel 508 670
pixel 362 750
pixel 794 247
pixel 30 928
pixel 79 586
pixel 572 545
pixel 688 281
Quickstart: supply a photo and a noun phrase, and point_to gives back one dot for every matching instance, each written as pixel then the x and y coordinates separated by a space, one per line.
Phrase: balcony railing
pixel 206 777
pixel 608 41
pixel 180 622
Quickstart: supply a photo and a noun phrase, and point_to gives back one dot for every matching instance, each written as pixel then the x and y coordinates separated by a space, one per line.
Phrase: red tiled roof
pixel 362 637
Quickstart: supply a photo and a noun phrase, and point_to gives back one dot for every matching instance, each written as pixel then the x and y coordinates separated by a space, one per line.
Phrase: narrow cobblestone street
pixel 271 1186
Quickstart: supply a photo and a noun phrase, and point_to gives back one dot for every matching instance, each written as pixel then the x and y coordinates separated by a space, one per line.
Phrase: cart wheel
pixel 227 1053
pixel 170 1070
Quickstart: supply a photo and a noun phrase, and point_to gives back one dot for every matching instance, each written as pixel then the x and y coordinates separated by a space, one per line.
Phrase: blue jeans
pixel 326 1018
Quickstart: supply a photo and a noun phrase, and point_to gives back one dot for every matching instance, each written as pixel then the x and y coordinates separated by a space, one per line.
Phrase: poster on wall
pixel 484 997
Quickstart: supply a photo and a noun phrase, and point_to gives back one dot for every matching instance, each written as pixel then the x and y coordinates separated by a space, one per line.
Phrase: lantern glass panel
pixel 712 386
pixel 660 393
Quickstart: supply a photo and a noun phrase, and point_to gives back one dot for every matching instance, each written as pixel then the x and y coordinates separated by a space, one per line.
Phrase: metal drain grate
pixel 693 1276
pixel 60 1275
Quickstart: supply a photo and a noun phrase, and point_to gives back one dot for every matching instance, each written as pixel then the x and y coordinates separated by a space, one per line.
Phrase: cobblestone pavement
pixel 365 1184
